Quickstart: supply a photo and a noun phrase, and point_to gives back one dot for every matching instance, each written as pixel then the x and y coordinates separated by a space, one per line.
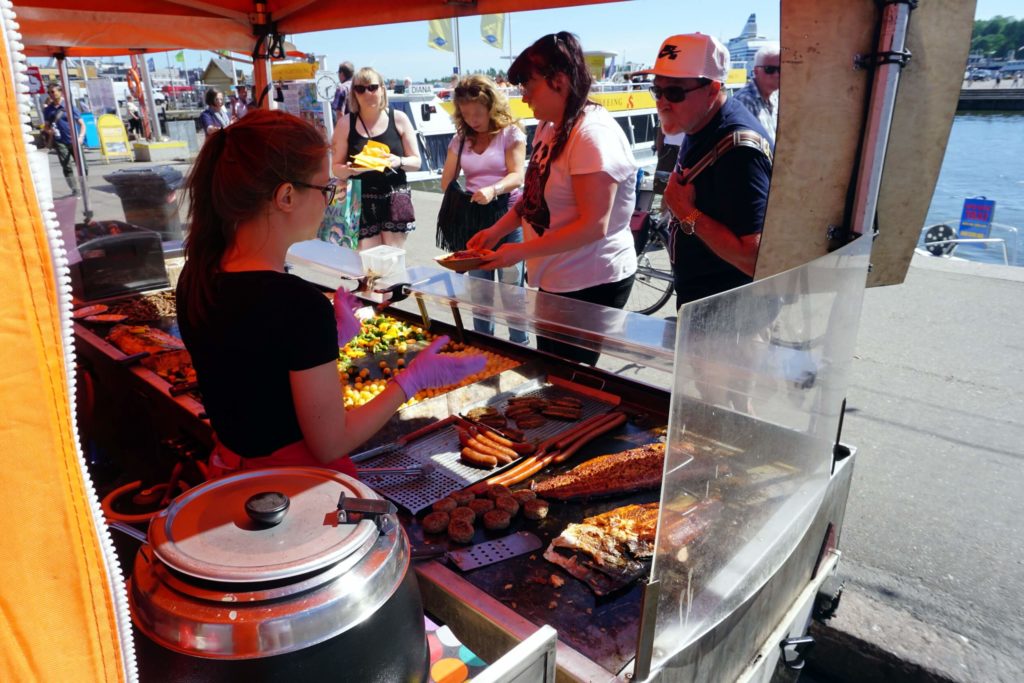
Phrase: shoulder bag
pixel 453 220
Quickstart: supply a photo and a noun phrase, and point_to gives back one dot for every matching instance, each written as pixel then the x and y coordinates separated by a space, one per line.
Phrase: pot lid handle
pixel 352 510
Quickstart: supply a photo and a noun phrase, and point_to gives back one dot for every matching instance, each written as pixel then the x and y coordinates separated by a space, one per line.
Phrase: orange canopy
pixel 116 27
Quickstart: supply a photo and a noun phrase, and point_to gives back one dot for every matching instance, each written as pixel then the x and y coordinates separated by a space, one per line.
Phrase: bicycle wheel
pixel 653 284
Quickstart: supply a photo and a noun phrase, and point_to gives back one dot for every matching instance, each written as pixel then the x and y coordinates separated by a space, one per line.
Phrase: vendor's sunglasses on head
pixel 372 87
pixel 328 191
pixel 771 70
pixel 468 91
pixel 674 93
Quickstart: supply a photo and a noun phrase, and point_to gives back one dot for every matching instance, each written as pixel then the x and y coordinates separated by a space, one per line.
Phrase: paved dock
pixel 933 547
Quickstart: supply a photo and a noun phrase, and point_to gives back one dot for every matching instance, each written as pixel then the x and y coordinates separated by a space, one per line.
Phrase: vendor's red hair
pixel 232 180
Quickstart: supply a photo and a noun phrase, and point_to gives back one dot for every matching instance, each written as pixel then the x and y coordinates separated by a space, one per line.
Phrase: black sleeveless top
pixel 377 181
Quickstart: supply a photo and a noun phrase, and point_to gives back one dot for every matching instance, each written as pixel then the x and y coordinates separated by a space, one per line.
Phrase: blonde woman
pixel 489 147
pixel 387 212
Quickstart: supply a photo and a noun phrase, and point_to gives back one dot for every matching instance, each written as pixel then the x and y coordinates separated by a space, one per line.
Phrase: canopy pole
pixel 76 146
pixel 261 79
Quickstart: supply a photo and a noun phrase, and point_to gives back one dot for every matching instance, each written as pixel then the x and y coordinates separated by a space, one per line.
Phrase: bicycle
pixel 654 282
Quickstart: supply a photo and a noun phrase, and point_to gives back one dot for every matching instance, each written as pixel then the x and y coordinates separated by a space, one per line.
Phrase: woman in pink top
pixel 489 147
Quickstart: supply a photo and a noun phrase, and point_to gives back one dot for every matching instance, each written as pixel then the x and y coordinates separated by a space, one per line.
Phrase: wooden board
pixel 939 39
pixel 822 105
pixel 823 100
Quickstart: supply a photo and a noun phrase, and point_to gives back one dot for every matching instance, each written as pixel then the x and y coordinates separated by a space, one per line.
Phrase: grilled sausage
pixel 472 457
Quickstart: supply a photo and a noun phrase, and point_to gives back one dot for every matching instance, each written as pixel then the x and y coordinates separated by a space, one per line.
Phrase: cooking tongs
pixel 367 284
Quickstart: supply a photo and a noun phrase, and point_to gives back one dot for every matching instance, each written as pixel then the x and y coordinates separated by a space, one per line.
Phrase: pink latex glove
pixel 429 369
pixel 345 305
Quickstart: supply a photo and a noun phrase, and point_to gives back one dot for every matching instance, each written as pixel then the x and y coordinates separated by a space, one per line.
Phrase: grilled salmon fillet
pixel 132 339
pixel 637 469
pixel 608 551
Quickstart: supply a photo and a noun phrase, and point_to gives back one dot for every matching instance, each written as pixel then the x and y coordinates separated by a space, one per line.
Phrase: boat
pixel 631 104
pixel 942 240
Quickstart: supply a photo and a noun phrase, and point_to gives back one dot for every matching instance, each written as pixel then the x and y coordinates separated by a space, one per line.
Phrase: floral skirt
pixel 379 212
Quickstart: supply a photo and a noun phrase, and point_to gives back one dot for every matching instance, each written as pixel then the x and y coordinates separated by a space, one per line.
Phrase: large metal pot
pixel 229 594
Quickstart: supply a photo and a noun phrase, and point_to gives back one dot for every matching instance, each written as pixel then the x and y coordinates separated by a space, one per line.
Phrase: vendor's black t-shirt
pixel 262 325
pixel 734 191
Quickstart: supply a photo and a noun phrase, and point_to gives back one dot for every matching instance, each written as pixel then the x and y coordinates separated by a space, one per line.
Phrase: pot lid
pixel 207 532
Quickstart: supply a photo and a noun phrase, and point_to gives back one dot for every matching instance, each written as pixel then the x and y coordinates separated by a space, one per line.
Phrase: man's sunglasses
pixel 372 87
pixel 771 70
pixel 328 191
pixel 673 93
pixel 468 91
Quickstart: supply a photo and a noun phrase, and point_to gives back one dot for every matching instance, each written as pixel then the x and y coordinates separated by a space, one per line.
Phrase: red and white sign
pixel 35 81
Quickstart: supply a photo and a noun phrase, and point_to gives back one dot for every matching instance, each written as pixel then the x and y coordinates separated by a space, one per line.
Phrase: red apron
pixel 225 461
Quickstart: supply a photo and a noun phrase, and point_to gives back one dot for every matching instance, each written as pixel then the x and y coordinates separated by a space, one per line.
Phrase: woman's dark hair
pixel 553 54
pixel 211 95
pixel 238 170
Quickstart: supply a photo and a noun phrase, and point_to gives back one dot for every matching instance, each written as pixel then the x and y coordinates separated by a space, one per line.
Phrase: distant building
pixel 218 74
pixel 743 47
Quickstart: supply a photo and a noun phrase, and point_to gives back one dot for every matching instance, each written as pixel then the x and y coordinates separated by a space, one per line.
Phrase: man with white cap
pixel 721 209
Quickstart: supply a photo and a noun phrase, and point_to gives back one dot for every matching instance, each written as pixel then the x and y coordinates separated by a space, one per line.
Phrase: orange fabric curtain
pixel 57 618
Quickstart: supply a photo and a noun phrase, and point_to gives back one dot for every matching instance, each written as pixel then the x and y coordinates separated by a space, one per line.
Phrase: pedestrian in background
pixel 242 102
pixel 340 104
pixel 214 118
pixel 761 93
pixel 387 210
pixel 489 147
pixel 61 125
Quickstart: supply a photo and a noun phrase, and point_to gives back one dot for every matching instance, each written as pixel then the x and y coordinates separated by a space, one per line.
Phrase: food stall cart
pixel 711 613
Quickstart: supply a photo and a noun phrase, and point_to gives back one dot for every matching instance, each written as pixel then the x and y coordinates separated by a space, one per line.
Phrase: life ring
pixel 134 83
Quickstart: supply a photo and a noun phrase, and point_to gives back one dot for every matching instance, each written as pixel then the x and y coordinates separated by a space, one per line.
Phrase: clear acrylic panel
pixel 640 339
pixel 761 374
pixel 631 336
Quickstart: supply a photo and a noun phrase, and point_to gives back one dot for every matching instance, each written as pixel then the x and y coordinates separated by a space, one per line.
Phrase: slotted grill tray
pixel 441 449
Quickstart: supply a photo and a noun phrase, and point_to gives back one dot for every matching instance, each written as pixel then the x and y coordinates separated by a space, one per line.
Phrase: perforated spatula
pixel 483 554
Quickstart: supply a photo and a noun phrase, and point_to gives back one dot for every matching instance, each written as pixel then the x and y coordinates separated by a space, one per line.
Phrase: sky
pixel 633 29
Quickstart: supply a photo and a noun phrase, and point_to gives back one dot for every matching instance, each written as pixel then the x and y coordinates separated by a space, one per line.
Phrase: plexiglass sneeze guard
pixel 633 337
pixel 762 371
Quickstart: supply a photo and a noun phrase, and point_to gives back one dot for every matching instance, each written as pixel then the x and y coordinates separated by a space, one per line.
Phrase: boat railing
pixel 947 244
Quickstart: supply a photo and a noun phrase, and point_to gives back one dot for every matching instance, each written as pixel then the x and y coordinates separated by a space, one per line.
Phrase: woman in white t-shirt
pixel 580 189
pixel 489 147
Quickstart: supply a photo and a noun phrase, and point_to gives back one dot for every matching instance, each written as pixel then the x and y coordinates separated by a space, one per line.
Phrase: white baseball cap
pixel 691 55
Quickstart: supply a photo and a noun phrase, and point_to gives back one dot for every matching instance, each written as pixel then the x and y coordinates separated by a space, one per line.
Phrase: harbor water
pixel 984 158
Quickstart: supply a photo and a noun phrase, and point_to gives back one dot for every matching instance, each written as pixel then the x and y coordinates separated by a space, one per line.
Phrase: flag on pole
pixel 440 37
pixel 492 29
pixel 151 64
pixel 180 57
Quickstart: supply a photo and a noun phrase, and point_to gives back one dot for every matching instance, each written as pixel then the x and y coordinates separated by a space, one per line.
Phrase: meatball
pixel 444 505
pixel 436 522
pixel 481 505
pixel 497 490
pixel 523 495
pixel 462 513
pixel 535 509
pixel 496 519
pixel 460 531
pixel 508 504
pixel 463 497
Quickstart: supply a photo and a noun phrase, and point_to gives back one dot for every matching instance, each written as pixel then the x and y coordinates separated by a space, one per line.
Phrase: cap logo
pixel 669 51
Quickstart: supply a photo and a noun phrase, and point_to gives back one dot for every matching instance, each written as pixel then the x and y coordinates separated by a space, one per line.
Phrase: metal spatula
pixel 488 552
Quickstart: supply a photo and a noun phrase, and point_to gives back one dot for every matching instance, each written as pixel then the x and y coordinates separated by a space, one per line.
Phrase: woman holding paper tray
pixel 377 144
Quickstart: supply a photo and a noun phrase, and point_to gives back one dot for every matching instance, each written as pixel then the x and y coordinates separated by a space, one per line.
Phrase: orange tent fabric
pixel 57 619
pixel 110 27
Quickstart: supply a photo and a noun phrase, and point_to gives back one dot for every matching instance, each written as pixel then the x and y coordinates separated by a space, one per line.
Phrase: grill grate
pixel 441 448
